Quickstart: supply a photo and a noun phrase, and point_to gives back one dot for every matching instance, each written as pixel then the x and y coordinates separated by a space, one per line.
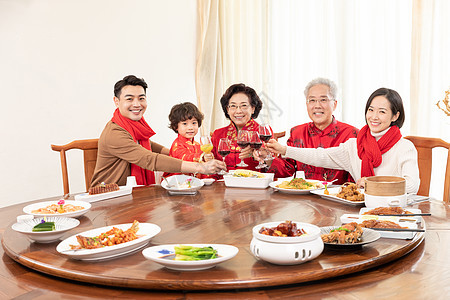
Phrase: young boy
pixel 185 119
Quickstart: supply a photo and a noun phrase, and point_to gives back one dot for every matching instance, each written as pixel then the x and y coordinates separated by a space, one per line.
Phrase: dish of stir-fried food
pixel 112 237
pixel 349 191
pixel 387 211
pixel 380 224
pixel 57 209
pixel 346 234
pixel 301 184
pixel 285 229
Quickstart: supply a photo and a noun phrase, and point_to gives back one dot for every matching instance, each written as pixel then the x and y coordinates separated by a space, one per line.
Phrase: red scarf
pixel 370 150
pixel 141 132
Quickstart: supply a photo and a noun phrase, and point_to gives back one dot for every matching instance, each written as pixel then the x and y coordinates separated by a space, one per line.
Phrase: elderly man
pixel 125 148
pixel 324 131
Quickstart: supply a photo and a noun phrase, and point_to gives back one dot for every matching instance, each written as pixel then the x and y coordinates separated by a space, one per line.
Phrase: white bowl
pixel 372 201
pixel 208 181
pixel 248 182
pixel 62 225
pixel 287 250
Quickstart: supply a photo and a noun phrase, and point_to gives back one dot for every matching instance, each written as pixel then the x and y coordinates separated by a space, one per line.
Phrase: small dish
pixel 208 181
pixel 75 214
pixel 178 184
pixel 368 236
pixel 164 254
pixel 275 184
pixel 62 224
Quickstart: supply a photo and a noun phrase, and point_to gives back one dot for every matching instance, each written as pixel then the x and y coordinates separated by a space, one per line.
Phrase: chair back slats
pixel 424 146
pixel 89 148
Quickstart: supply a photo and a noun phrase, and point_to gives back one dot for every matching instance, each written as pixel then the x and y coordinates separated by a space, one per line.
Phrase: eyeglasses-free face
pixel 320 105
pixel 240 110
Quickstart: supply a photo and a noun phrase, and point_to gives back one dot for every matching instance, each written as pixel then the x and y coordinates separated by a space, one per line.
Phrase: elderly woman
pixel 379 148
pixel 241 106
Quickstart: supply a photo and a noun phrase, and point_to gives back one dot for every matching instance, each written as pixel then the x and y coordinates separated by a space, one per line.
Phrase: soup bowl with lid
pixel 287 250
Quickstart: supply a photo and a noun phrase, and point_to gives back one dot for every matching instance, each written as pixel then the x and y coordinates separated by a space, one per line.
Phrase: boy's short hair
pixel 182 112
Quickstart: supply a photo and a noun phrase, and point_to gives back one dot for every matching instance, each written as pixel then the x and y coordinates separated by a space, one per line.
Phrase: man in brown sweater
pixel 124 147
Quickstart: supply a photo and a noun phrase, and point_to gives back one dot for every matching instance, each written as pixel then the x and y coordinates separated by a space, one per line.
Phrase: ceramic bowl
pixel 287 250
pixel 372 201
pixel 62 225
pixel 208 181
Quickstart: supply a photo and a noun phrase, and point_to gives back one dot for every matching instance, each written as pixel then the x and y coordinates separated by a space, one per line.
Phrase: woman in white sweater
pixel 379 148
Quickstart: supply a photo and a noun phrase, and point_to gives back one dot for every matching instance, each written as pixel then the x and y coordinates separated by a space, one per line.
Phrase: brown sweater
pixel 117 151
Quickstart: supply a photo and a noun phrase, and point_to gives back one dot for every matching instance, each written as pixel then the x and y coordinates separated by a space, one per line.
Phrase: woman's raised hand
pixel 212 166
pixel 276 147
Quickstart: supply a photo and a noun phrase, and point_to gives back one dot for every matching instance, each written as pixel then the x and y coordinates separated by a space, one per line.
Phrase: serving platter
pixel 123 190
pixel 418 219
pixel 275 184
pixel 146 232
pixel 248 182
pixel 35 206
pixel 332 196
pixel 368 236
pixel 164 255
pixel 405 235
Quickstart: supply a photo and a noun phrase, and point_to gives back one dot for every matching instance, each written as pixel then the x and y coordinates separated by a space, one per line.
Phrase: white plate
pixel 146 232
pixel 368 236
pixel 248 182
pixel 176 180
pixel 158 254
pixel 405 235
pixel 29 208
pixel 123 190
pixel 418 219
pixel 334 191
pixel 293 191
pixel 62 225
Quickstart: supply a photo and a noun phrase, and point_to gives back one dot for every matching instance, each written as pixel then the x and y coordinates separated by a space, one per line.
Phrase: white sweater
pixel 400 160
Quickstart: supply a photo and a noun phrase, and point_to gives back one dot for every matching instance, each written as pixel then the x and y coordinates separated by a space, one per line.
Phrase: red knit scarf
pixel 141 132
pixel 370 150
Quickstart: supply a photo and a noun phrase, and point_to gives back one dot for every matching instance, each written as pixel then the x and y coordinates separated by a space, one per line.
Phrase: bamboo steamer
pixel 385 186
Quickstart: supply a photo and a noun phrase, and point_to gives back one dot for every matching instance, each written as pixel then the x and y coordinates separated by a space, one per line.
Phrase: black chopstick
pixel 401 215
pixel 399 229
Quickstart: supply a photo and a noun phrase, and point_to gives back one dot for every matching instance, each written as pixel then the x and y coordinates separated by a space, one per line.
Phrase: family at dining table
pixel 325 148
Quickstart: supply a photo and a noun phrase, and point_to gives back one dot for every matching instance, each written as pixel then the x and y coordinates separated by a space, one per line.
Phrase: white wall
pixel 59 61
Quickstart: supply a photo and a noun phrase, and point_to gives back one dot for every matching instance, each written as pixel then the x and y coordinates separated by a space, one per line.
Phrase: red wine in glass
pixel 223 149
pixel 265 138
pixel 256 145
pixel 243 140
pixel 265 134
pixel 224 153
pixel 243 144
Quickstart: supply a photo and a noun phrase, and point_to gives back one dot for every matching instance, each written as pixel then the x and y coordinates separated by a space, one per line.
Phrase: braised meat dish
pixel 347 234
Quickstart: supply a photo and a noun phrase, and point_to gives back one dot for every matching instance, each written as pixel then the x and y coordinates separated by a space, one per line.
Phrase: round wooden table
pixel 221 215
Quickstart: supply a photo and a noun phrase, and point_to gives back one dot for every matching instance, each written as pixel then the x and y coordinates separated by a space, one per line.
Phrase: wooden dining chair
pixel 278 135
pixel 89 148
pixel 424 146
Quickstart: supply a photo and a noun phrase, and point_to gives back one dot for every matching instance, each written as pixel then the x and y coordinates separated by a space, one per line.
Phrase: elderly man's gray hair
pixel 324 81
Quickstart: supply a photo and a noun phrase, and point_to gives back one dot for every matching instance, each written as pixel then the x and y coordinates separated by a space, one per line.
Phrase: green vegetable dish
pixel 45 226
pixel 194 253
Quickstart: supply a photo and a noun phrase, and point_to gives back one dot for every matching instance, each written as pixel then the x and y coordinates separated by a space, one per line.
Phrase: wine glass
pixel 223 149
pixel 265 133
pixel 243 141
pixel 256 143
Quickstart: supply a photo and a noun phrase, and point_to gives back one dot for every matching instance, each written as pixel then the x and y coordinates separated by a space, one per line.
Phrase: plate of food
pixel 388 226
pixel 45 229
pixel 348 236
pixel 347 193
pixel 104 191
pixel 190 257
pixel 61 208
pixel 401 213
pixel 297 186
pixel 182 185
pixel 108 242
pixel 248 179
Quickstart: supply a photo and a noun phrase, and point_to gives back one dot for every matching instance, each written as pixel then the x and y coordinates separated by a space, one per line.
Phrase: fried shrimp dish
pixel 387 211
pixel 283 229
pixel 56 209
pixel 347 234
pixel 112 237
pixel 349 191
pixel 299 184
